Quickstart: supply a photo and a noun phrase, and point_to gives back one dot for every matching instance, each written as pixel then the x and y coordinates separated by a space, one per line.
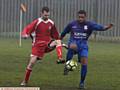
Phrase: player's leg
pixel 59 52
pixel 83 71
pixel 37 52
pixel 69 56
pixel 58 45
pixel 52 45
pixel 84 61
pixel 71 49
pixel 30 65
pixel 65 46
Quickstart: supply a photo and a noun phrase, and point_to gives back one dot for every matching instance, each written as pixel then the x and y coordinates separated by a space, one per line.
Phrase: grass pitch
pixel 103 67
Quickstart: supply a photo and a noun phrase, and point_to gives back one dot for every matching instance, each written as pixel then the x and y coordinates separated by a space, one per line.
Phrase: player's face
pixel 81 18
pixel 45 15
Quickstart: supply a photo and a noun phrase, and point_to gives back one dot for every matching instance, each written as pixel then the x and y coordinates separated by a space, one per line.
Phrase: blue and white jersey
pixel 81 31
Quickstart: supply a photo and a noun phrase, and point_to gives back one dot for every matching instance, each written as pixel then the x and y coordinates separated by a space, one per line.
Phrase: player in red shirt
pixel 44 31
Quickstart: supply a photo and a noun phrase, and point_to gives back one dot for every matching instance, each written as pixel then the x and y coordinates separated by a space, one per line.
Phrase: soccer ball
pixel 71 65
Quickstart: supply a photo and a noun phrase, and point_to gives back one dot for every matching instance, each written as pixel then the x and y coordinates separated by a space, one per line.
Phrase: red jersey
pixel 43 30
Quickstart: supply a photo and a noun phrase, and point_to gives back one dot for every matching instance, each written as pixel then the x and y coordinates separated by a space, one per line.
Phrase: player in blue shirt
pixel 80 30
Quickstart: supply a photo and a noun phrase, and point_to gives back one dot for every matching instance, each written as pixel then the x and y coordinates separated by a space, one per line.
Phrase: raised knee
pixel 58 42
pixel 73 46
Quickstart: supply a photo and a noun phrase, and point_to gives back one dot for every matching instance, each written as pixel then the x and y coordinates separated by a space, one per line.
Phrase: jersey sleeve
pixel 65 31
pixel 96 27
pixel 29 28
pixel 54 32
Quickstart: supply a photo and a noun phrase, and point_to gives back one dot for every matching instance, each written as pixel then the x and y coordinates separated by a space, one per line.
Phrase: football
pixel 71 65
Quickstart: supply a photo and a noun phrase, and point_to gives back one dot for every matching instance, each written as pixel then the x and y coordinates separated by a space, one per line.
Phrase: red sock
pixel 59 51
pixel 27 74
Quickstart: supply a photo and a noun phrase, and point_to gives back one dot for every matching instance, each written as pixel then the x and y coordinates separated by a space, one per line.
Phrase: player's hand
pixel 25 36
pixel 109 26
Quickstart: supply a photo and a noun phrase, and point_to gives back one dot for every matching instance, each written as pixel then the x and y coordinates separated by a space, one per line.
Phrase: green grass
pixel 103 67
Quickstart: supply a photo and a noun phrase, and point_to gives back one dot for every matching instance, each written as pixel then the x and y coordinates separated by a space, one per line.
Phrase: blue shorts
pixel 82 49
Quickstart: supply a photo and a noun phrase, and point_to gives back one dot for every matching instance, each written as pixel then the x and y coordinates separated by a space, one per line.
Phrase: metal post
pixel 20 38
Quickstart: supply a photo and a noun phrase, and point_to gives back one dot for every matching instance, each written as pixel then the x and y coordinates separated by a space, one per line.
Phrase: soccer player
pixel 80 30
pixel 44 31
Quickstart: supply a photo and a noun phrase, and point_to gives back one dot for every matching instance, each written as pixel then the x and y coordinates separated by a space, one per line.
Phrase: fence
pixel 62 12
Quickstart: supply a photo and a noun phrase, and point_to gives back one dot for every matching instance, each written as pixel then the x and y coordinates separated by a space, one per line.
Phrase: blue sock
pixel 69 55
pixel 83 73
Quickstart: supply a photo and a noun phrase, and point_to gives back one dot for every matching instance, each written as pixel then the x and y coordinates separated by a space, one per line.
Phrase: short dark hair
pixel 45 9
pixel 82 12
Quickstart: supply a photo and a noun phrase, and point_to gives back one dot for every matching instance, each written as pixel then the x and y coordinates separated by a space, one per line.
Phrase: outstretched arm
pixel 98 27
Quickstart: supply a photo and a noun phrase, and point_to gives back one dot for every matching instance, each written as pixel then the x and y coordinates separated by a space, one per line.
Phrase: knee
pixel 73 46
pixel 30 65
pixel 32 62
pixel 84 61
pixel 58 42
